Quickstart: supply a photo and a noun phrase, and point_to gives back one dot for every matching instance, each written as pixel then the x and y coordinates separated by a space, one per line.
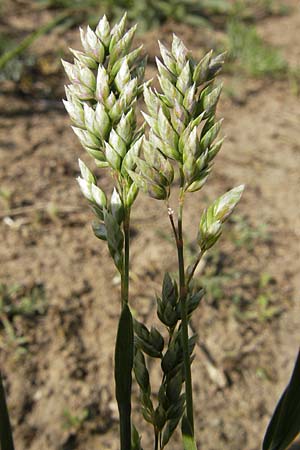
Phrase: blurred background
pixel 58 289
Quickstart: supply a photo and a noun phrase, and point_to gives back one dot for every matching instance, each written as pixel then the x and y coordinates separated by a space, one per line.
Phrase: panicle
pixel 182 117
pixel 106 79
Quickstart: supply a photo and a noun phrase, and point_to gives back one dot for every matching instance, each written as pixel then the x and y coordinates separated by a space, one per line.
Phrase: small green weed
pixel 6 197
pixel 251 55
pixel 214 286
pixel 17 66
pixel 149 13
pixel 255 300
pixel 263 374
pixel 18 302
pixel 294 80
pixel 214 279
pixel 11 341
pixel 74 421
pixel 245 235
pixel 252 10
pixel 263 308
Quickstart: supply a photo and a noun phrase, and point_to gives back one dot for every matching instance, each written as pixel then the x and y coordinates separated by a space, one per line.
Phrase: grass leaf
pixel 123 378
pixel 285 422
pixel 187 435
pixel 6 438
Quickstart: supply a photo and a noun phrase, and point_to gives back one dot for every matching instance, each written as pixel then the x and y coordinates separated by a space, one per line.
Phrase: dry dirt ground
pixel 59 382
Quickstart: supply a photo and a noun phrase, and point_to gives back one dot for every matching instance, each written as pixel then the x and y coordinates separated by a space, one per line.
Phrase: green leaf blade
pixel 284 425
pixel 188 439
pixel 6 438
pixel 123 377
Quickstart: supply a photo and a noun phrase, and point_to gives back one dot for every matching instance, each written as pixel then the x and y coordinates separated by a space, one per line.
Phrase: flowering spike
pixel 175 113
pixel 106 79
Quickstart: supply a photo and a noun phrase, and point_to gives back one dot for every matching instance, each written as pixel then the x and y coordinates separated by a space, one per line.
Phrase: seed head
pixel 106 79
pixel 182 116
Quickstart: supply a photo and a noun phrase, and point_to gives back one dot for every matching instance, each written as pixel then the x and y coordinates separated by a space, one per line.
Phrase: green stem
pixel 125 274
pixel 124 346
pixel 184 312
pixel 156 440
pixel 191 274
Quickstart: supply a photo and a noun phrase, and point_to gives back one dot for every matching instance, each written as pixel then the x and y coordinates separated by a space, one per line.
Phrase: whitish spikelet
pixel 187 98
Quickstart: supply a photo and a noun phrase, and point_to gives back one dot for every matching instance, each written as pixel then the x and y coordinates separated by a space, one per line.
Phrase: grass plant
pixel 17 301
pixel 74 421
pixel 252 56
pixel 180 143
pixel 168 158
pixel 19 49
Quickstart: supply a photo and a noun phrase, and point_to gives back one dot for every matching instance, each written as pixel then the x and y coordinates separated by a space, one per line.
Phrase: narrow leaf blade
pixel 123 377
pixel 285 422
pixel 188 439
pixel 6 438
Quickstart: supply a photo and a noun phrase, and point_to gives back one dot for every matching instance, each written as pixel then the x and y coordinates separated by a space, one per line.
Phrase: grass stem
pixel 191 274
pixel 125 333
pixel 184 317
pixel 178 234
pixel 125 275
pixel 156 443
